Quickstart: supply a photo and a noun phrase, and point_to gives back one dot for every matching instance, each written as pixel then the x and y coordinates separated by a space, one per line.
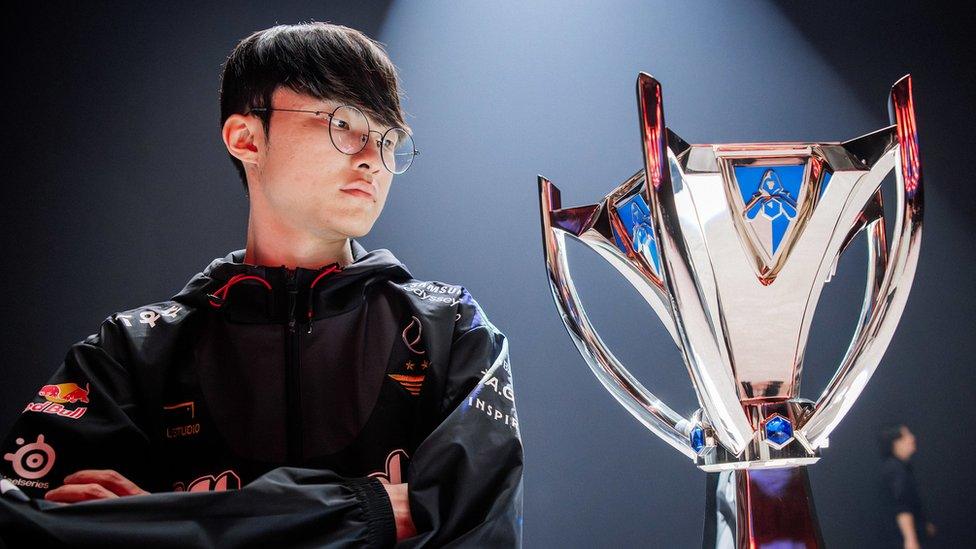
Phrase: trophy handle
pixel 699 326
pixel 889 279
pixel 664 422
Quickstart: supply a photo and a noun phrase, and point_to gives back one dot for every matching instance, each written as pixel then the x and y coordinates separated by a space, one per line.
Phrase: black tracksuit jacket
pixel 264 406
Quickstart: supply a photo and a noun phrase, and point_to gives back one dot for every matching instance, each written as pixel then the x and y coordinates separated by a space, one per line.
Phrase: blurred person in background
pixel 905 522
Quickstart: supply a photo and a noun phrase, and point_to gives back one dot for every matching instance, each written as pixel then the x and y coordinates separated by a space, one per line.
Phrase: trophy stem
pixel 756 508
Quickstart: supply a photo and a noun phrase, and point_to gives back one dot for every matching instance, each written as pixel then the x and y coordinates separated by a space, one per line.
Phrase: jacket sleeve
pixel 97 425
pixel 286 507
pixel 84 417
pixel 465 478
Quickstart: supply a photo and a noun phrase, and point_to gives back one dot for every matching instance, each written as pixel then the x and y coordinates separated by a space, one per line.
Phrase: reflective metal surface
pixel 731 245
pixel 760 508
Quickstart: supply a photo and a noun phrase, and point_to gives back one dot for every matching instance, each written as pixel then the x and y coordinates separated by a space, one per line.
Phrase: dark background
pixel 118 189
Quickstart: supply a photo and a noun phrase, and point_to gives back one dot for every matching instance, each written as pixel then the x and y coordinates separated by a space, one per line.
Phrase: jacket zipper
pixel 293 400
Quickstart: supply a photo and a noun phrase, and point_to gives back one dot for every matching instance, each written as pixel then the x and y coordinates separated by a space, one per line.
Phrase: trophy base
pixel 787 447
pixel 756 508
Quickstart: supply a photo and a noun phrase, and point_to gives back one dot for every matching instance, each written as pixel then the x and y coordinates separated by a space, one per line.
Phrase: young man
pixel 310 392
pixel 905 522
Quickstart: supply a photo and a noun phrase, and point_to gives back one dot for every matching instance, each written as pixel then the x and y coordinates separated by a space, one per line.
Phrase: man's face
pixel 905 444
pixel 308 185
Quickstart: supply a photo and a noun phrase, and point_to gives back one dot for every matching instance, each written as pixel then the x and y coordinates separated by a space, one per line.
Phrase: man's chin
pixel 353 231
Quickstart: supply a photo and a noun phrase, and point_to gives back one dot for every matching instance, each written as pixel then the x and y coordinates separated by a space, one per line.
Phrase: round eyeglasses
pixel 349 132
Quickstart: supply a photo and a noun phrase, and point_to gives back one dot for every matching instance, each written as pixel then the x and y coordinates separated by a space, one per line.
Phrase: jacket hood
pixel 262 293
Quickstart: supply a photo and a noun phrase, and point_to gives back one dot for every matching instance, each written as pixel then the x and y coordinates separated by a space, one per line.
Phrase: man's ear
pixel 242 137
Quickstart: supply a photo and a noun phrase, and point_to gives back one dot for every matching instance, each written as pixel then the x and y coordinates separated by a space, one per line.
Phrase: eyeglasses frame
pixel 330 114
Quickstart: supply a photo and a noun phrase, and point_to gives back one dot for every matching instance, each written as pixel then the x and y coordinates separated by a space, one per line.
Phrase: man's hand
pixel 92 484
pixel 401 510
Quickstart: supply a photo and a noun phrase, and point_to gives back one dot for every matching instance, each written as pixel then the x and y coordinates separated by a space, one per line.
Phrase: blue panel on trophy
pixel 770 194
pixel 636 218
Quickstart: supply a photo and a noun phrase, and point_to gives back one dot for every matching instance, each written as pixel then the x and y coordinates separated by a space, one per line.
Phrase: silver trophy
pixel 705 233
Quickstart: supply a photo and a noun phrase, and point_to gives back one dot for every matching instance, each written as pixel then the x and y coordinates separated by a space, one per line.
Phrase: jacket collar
pixel 261 293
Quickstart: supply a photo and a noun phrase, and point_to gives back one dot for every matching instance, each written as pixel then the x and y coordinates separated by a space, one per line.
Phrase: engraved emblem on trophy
pixel 704 232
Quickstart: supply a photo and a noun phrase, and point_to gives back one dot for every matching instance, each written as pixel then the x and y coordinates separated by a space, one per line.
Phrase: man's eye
pixel 389 144
pixel 339 124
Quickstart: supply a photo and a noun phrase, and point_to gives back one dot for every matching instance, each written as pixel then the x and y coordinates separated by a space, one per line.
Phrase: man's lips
pixel 357 192
pixel 361 188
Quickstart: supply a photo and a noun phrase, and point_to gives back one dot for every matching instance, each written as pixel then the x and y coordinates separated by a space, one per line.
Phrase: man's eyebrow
pixel 325 110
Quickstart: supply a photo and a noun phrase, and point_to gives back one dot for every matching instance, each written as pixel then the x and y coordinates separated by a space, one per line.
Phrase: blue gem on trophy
pixel 731 245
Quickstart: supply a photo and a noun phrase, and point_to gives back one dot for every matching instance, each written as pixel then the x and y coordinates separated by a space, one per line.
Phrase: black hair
pixel 887 437
pixel 324 60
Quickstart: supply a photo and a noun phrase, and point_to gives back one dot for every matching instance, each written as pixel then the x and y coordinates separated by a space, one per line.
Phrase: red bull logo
pixel 57 396
pixel 64 393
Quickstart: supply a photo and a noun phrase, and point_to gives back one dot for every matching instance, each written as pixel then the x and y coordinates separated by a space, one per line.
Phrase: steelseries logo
pixel 31 462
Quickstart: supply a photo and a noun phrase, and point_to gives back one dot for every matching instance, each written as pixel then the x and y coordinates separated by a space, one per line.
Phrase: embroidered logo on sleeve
pixel 31 462
pixel 57 396
pixel 228 480
pixel 151 315
pixel 411 336
pixel 494 395
pixel 394 468
pixel 437 292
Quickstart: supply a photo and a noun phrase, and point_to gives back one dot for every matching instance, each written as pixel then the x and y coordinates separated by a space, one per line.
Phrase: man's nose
pixel 370 156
